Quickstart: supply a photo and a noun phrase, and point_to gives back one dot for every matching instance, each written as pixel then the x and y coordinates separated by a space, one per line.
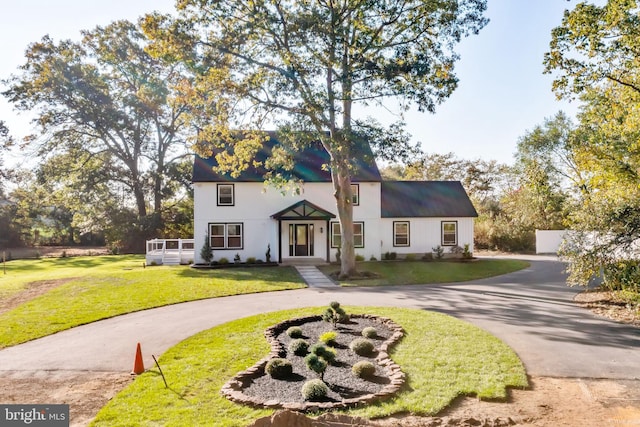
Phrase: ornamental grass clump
pixel 329 338
pixel 369 332
pixel 363 369
pixel 279 368
pixel 361 347
pixel 316 364
pixel 299 347
pixel 335 314
pixel 315 389
pixel 295 332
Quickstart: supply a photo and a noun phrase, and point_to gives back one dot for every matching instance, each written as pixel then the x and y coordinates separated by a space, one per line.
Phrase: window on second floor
pixel 355 194
pixel 225 194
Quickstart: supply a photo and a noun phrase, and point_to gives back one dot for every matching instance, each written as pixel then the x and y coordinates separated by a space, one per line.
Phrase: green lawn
pixel 443 358
pixel 420 272
pixel 107 286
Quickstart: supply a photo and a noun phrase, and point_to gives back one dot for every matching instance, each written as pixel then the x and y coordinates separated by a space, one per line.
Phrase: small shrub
pixel 314 390
pixel 373 258
pixel 466 253
pixel 259 261
pixel 427 257
pixel 369 332
pixel 438 252
pixel 329 338
pixel 393 255
pixel 295 332
pixel 223 260
pixel 279 368
pixel 251 260
pixel 410 257
pixel 299 347
pixel 64 254
pixel 359 257
pixel 316 364
pixel 267 255
pixel 334 314
pixel 361 346
pixel 236 258
pixel 363 369
pixel 326 353
pixel 153 263
pixel 206 252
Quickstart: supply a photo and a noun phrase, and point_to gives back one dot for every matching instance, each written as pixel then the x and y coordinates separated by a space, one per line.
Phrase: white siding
pixel 254 203
pixel 424 234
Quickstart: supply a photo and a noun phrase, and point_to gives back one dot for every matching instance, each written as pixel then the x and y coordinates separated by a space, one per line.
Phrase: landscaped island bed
pixel 257 388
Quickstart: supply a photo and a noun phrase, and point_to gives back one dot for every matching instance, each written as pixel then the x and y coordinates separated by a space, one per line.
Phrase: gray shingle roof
pixel 308 166
pixel 402 199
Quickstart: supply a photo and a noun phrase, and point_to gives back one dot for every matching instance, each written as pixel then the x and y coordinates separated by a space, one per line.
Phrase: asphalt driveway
pixel 531 310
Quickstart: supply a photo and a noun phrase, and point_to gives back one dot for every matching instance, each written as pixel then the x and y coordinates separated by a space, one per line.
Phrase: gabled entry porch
pixel 303 230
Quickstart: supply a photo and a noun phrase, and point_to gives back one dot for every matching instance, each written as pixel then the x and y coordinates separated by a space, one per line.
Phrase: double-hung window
pixel 401 233
pixel 225 194
pixel 358 235
pixel 355 194
pixel 226 235
pixel 449 233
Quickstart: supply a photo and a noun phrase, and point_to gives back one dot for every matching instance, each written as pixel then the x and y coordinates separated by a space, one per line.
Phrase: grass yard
pixel 106 286
pixel 443 358
pixel 420 272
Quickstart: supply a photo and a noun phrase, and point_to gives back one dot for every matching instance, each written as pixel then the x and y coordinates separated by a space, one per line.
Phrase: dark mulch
pixel 342 383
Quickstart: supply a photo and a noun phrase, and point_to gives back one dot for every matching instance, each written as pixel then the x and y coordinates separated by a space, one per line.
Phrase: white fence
pixel 169 251
pixel 549 241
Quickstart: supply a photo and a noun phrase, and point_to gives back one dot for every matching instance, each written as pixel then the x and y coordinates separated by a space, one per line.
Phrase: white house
pixel 244 216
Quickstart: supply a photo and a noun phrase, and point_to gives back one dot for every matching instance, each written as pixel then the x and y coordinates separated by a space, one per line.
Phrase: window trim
pixel 395 234
pixel 233 194
pixel 225 237
pixel 355 195
pixel 334 235
pixel 442 225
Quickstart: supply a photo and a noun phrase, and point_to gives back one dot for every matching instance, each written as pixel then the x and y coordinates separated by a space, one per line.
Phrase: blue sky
pixel 502 92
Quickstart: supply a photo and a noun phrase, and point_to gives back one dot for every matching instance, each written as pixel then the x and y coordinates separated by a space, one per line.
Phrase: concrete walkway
pixel 314 278
pixel 531 310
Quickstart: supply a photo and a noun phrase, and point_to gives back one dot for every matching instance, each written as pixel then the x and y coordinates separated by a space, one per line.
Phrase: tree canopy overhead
pixel 595 45
pixel 305 64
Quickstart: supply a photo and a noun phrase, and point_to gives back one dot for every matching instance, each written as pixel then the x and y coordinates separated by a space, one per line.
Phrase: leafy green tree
pixel 595 55
pixel 108 102
pixel 306 65
pixel 595 45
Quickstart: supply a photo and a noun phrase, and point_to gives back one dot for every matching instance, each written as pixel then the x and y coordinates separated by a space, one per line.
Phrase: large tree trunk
pixel 342 192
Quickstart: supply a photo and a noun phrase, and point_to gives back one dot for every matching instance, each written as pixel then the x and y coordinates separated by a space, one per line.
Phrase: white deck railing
pixel 169 251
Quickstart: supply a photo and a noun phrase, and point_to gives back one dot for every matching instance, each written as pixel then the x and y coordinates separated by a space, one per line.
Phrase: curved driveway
pixel 531 310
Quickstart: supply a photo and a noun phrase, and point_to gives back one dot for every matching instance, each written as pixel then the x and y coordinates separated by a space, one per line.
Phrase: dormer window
pixel 225 195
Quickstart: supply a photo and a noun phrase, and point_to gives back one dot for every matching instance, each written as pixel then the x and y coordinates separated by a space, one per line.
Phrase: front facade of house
pixel 245 217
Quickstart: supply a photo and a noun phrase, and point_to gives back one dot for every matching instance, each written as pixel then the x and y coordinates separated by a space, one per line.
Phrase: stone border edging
pixel 232 389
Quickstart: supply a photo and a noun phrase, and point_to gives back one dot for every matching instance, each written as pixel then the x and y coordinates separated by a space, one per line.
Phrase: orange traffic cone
pixel 138 364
